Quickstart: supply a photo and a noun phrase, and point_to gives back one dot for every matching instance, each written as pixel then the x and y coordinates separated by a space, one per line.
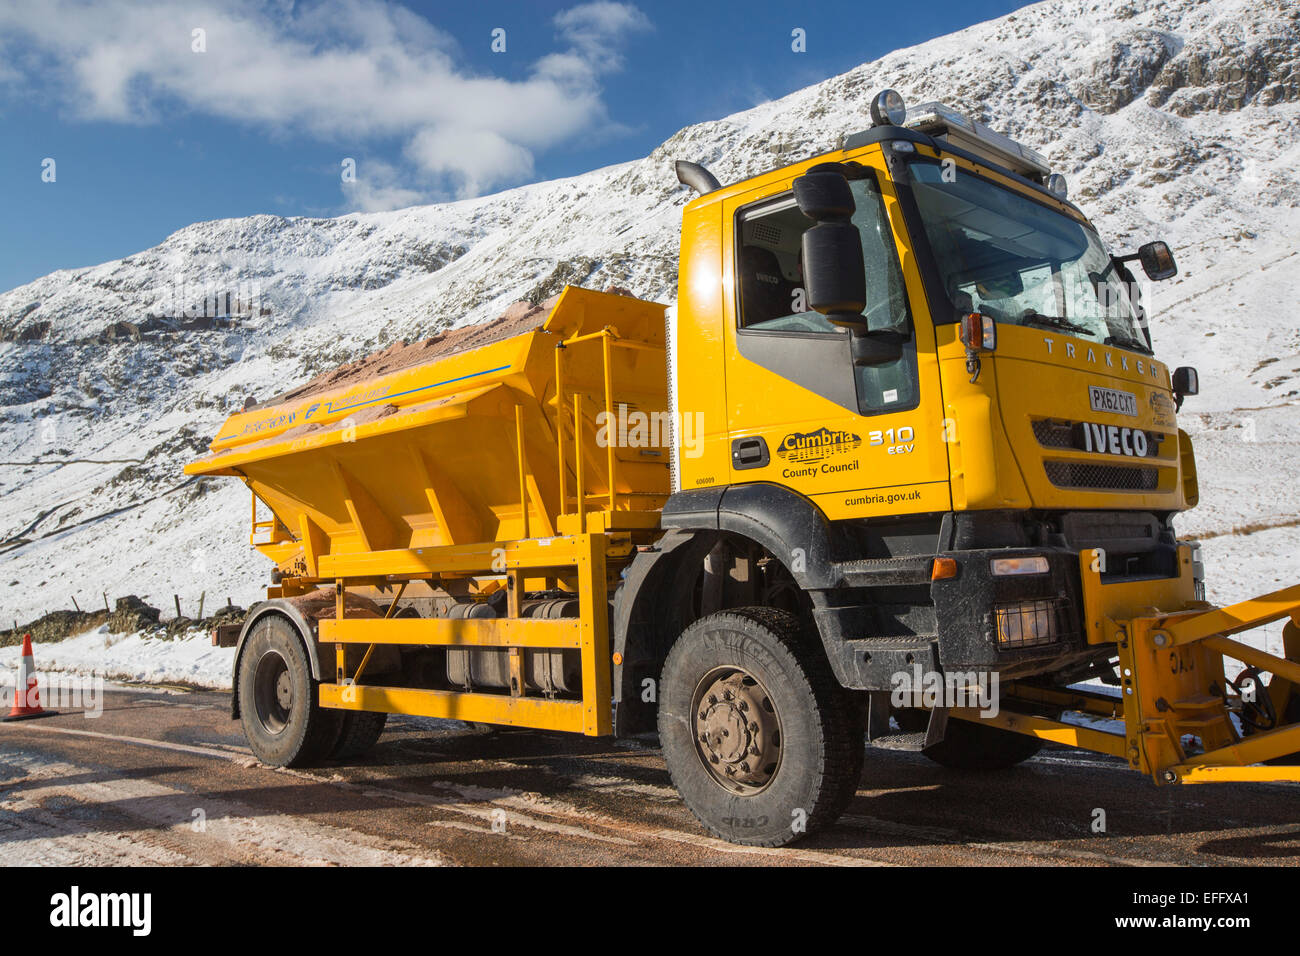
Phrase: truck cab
pixel 988 395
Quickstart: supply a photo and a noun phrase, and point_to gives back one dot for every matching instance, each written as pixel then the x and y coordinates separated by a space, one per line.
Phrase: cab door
pixel 859 441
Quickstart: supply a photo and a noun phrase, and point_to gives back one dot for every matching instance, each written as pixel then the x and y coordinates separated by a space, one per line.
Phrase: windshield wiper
pixel 1128 342
pixel 1030 317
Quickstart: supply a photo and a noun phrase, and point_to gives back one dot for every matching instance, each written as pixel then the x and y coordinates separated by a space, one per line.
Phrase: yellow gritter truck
pixel 899 465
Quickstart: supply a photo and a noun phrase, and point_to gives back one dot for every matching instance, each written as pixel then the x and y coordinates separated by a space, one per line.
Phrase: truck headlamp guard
pixel 1029 623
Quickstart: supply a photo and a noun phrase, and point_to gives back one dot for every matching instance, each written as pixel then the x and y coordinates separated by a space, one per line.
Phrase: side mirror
pixel 1157 261
pixel 876 346
pixel 835 279
pixel 1186 382
pixel 823 193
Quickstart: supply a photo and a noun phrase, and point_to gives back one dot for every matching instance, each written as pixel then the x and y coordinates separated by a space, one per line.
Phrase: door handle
pixel 749 453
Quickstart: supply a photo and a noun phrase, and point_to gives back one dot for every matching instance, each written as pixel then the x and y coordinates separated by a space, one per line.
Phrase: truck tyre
pixel 360 733
pixel 284 724
pixel 970 746
pixel 761 742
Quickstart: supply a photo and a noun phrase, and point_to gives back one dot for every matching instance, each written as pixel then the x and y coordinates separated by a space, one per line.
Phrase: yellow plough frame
pixel 1175 701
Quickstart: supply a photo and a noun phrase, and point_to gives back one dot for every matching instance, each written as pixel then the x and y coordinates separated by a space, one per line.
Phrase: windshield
pixel 1021 262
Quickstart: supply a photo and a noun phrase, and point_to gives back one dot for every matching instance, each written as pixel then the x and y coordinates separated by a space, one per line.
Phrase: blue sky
pixel 149 134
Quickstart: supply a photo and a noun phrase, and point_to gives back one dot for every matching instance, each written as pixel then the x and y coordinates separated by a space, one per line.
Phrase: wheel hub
pixel 737 730
pixel 272 692
pixel 284 690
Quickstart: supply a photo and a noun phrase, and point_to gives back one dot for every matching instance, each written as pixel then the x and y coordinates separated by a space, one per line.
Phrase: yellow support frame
pixel 582 555
pixel 535 712
pixel 447 632
pixel 1171 649
pixel 609 340
pixel 1052 731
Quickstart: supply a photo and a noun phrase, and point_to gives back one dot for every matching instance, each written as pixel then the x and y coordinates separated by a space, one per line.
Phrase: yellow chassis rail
pixel 1174 700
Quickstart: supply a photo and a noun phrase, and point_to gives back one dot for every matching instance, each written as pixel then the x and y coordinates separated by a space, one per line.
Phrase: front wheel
pixel 761 742
pixel 970 746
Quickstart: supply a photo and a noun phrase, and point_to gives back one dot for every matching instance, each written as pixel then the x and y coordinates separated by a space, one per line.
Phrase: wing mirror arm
pixel 1157 260
pixel 1186 381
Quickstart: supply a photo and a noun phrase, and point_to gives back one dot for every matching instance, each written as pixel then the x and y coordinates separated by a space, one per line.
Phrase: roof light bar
pixel 935 119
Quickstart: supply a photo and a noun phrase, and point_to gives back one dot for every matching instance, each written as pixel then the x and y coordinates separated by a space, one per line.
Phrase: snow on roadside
pixel 190 659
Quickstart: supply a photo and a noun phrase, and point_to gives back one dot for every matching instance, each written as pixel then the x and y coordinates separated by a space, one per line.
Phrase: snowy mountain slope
pixel 1171 119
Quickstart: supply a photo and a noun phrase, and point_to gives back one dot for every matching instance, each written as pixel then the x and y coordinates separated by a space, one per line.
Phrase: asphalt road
pixel 164 776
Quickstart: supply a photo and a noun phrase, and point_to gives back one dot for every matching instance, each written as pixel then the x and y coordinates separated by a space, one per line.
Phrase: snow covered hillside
pixel 1171 119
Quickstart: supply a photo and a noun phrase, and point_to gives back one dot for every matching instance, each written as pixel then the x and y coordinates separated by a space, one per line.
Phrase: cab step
pixel 885 733
pixel 915 742
pixel 876 572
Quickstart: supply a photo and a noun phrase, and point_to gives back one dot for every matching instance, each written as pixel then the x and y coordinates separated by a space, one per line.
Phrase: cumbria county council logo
pixel 814 446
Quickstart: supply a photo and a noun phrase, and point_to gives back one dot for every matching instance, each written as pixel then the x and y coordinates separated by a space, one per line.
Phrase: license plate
pixel 1112 400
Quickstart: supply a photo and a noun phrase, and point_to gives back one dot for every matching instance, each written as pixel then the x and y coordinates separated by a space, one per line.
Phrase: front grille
pixel 1058 434
pixel 1052 434
pixel 1070 474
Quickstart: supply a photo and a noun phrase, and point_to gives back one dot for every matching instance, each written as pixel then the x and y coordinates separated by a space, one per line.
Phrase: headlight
pixel 1026 623
pixel 1035 564
pixel 1057 185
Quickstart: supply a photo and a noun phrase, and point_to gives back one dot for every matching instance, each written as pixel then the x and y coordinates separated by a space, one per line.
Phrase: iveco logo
pixel 1112 440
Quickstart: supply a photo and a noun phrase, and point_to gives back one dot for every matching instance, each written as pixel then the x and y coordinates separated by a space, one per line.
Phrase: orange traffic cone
pixel 27 698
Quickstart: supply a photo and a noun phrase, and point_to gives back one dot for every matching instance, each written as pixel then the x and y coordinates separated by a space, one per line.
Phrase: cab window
pixel 769 279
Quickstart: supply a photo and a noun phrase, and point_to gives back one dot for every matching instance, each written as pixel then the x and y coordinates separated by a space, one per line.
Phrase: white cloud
pixel 445 147
pixel 596 30
pixel 347 71
pixel 378 188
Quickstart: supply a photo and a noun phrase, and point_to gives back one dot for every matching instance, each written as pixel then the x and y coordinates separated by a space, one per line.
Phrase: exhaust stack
pixel 697 177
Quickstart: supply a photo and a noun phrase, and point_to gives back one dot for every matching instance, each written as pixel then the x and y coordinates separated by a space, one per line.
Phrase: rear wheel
pixel 360 733
pixel 761 742
pixel 283 723
pixel 971 746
